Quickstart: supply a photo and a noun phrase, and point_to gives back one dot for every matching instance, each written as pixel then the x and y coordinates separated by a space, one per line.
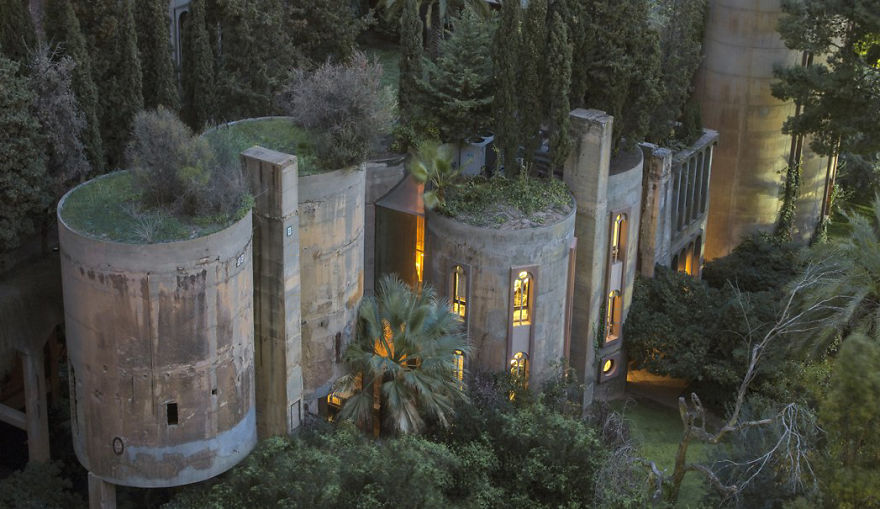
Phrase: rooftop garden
pixel 177 188
pixel 275 133
pixel 508 203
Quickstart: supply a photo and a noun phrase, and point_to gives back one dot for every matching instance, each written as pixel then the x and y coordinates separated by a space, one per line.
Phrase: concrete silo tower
pixel 741 49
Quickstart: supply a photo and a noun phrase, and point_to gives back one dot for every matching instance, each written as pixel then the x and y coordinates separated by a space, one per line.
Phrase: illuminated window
pixel 459 292
pixel 458 370
pixel 519 369
pixel 612 316
pixel 333 400
pixel 420 247
pixel 618 235
pixel 522 297
pixel 608 367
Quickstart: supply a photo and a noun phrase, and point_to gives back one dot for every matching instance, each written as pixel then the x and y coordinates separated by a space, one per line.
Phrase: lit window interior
pixel 607 367
pixel 459 292
pixel 458 372
pixel 420 247
pixel 334 400
pixel 617 233
pixel 612 316
pixel 519 369
pixel 521 297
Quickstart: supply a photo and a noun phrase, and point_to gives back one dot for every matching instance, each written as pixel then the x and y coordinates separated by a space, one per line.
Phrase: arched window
pixel 522 299
pixel 519 369
pixel 618 238
pixel 612 316
pixel 420 248
pixel 689 259
pixel 459 292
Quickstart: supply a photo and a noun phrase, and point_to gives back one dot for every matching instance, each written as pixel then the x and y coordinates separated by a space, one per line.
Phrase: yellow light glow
pixel 334 400
pixel 521 304
pixel 420 247
pixel 607 366
pixel 459 365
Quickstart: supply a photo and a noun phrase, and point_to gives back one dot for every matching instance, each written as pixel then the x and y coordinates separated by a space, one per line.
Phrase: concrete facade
pixel 382 176
pixel 160 343
pixel 742 47
pixel 492 259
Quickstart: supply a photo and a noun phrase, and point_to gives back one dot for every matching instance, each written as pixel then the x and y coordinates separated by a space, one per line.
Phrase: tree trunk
pixel 377 405
pixel 680 461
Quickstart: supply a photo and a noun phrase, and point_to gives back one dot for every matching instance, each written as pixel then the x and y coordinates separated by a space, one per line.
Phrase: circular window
pixel 118 446
pixel 607 367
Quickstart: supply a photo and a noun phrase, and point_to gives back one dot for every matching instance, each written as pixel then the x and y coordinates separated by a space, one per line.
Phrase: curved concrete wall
pixel 625 194
pixel 331 222
pixel 489 255
pixel 733 87
pixel 154 325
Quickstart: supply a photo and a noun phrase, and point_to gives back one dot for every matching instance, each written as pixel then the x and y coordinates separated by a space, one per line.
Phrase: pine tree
pixel 154 45
pixel 558 86
pixel 197 70
pixel 457 87
pixel 410 62
pixel 62 27
pixel 23 193
pixel 16 30
pixel 578 21
pixel 125 97
pixel 532 83
pixel 506 50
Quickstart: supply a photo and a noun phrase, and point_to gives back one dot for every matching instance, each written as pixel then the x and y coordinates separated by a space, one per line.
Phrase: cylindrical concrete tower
pixel 510 286
pixel 741 49
pixel 160 340
pixel 331 222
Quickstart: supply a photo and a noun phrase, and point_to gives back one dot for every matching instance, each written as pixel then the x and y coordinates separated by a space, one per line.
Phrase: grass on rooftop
pixel 495 201
pixel 108 208
pixel 279 134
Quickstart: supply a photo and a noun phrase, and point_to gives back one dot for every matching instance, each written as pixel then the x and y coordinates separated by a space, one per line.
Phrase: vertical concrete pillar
pixel 655 229
pixel 278 334
pixel 35 406
pixel 102 494
pixel 586 174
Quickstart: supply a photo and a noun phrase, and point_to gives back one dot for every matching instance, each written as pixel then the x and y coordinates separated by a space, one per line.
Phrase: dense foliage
pixel 505 56
pixel 39 486
pixel 344 105
pixel 522 199
pixel 154 50
pixel 16 30
pixel 197 70
pixel 23 196
pixel 839 89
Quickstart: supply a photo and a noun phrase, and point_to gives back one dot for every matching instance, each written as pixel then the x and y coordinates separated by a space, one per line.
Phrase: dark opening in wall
pixel 171 409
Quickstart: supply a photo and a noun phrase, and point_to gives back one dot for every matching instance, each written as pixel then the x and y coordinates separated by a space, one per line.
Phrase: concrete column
pixel 102 494
pixel 37 422
pixel 277 325
pixel 586 174
pixel 655 223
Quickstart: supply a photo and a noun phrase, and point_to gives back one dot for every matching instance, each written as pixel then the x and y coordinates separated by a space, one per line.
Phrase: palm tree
pixel 855 289
pixel 403 358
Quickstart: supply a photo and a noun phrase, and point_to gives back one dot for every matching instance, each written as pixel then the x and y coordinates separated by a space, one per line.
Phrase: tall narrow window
pixel 519 369
pixel 612 316
pixel 459 292
pixel 458 369
pixel 522 297
pixel 420 247
pixel 171 413
pixel 618 234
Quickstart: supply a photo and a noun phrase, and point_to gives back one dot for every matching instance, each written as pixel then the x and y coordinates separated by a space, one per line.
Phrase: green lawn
pixel 657 430
pixel 273 133
pixel 107 208
pixel 389 56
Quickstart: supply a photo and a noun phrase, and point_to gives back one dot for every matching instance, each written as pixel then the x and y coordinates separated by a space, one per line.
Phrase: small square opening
pixel 214 391
pixel 171 412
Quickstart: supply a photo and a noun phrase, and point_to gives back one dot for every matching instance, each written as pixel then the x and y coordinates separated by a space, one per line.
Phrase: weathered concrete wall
pixel 331 221
pixel 395 245
pixel 492 256
pixel 382 176
pixel 278 339
pixel 154 325
pixel 733 88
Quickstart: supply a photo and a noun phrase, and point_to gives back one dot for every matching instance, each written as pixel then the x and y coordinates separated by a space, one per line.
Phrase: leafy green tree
pixel 850 416
pixel 23 194
pixel 457 87
pixel 62 26
pixel 197 70
pixel 154 45
pixel 839 90
pixel 505 56
pixel 432 164
pixel 403 359
pixel 532 82
pixel 16 30
pixel 325 29
pixel 410 62
pixel 559 85
pixel 622 67
pixel 437 15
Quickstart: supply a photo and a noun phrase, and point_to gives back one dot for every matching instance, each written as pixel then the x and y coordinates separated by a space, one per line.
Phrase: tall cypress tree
pixel 62 26
pixel 559 85
pixel 154 45
pixel 532 87
pixel 126 95
pixel 197 70
pixel 16 30
pixel 410 62
pixel 506 51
